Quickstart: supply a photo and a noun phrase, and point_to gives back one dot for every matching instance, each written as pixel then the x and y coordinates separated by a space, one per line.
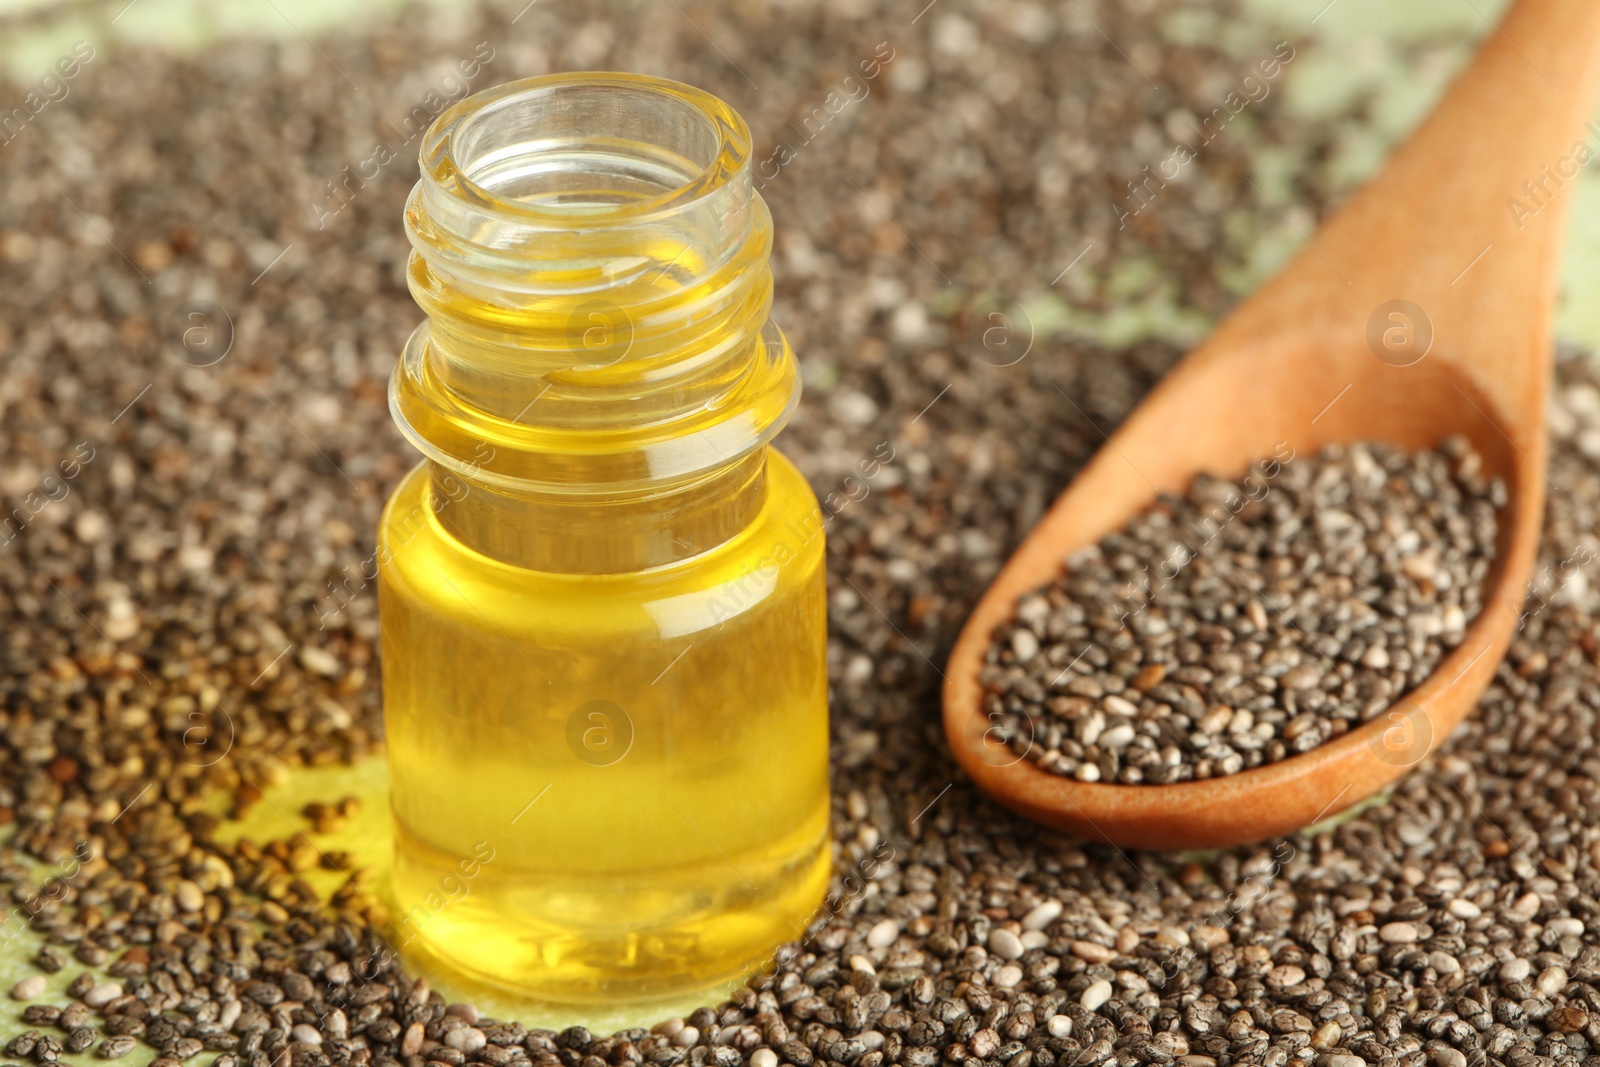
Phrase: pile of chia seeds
pixel 1249 620
pixel 185 579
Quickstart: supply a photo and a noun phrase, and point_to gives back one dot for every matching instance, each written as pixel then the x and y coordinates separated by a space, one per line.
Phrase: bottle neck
pixel 597 380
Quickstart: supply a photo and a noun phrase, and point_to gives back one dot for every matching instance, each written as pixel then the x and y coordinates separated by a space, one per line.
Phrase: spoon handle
pixel 1466 219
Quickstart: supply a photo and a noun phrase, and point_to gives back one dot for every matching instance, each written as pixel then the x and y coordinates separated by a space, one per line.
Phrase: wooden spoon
pixel 1325 353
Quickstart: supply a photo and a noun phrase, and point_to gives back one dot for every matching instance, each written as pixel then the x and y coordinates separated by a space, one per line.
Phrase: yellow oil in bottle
pixel 601 592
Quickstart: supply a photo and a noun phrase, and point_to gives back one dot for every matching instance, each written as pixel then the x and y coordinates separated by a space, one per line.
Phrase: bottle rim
pixel 446 155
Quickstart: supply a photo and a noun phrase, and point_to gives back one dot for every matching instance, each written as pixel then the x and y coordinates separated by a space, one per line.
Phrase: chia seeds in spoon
pixel 1248 621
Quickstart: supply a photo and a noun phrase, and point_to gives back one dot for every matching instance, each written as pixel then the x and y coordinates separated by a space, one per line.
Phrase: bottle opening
pixel 589 144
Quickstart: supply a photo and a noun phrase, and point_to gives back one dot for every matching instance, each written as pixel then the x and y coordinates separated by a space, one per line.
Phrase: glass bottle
pixel 601 591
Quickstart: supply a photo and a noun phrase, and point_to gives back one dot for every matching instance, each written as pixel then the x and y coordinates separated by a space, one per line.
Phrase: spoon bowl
pixel 1421 310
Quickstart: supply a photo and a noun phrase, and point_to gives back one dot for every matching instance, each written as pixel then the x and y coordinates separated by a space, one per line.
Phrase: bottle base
pixel 506 935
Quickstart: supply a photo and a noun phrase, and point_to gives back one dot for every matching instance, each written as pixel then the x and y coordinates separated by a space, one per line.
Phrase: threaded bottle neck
pixel 592 257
